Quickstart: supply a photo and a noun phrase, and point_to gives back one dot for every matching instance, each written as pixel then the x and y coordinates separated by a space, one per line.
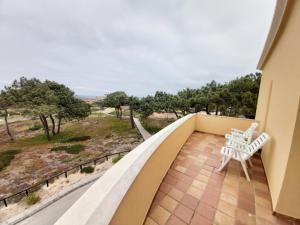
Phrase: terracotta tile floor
pixel 193 192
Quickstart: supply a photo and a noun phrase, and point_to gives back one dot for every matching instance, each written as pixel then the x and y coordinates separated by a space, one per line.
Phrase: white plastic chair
pixel 241 136
pixel 245 137
pixel 242 152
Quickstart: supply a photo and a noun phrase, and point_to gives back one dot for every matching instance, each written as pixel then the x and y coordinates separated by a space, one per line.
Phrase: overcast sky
pixel 139 46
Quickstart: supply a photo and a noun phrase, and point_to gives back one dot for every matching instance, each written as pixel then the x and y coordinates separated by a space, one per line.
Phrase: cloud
pixel 137 46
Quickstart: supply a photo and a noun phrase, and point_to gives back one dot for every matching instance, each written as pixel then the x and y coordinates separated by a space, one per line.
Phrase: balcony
pixel 171 179
pixel 193 192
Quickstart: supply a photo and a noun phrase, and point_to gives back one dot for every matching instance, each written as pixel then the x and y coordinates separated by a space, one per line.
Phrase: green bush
pixel 152 129
pixel 116 159
pixel 32 198
pixel 74 139
pixel 35 126
pixel 155 125
pixel 6 157
pixel 71 149
pixel 88 169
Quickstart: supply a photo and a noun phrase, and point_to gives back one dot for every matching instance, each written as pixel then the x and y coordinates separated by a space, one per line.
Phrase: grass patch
pixel 6 157
pixel 41 139
pixel 95 108
pixel 32 198
pixel 72 149
pixel 97 128
pixel 120 127
pixel 116 158
pixel 35 126
pixel 113 113
pixel 152 129
pixel 124 113
pixel 96 115
pixel 88 169
pixel 155 125
pixel 75 139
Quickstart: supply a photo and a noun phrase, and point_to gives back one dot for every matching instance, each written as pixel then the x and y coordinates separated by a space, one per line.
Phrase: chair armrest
pixel 228 136
pixel 237 135
pixel 237 131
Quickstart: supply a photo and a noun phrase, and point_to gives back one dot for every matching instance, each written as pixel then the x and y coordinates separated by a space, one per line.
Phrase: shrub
pixel 155 125
pixel 6 157
pixel 88 169
pixel 32 198
pixel 35 126
pixel 74 139
pixel 151 129
pixel 73 149
pixel 116 159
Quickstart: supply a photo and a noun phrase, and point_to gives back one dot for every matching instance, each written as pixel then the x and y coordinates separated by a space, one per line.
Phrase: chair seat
pixel 225 151
pixel 232 142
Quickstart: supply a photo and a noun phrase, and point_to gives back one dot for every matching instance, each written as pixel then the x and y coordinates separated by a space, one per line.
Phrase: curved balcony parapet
pixel 98 205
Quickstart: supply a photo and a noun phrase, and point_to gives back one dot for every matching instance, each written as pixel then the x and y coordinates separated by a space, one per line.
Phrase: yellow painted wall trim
pixel 278 16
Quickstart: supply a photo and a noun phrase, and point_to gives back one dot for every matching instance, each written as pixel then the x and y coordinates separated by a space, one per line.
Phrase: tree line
pixel 237 98
pixel 52 102
pixel 48 101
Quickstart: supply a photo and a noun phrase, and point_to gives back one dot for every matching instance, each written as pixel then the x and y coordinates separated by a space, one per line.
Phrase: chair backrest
pixel 248 134
pixel 258 143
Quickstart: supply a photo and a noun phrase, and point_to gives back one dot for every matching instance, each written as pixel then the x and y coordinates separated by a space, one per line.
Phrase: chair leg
pixel 244 165
pixel 250 162
pixel 225 160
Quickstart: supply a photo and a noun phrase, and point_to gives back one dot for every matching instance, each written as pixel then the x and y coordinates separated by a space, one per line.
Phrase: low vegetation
pixel 6 157
pixel 155 125
pixel 35 126
pixel 91 128
pixel 32 198
pixel 117 100
pixel 40 139
pixel 71 149
pixel 76 139
pixel 116 158
pixel 87 169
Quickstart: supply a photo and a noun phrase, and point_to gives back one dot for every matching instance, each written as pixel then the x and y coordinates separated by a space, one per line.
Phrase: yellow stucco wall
pixel 220 125
pixel 289 199
pixel 277 112
pixel 137 201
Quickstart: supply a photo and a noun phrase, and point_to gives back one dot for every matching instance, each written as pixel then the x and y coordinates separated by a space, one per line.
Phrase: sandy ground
pixel 12 119
pixel 108 110
pixel 45 192
pixel 35 163
pixel 156 115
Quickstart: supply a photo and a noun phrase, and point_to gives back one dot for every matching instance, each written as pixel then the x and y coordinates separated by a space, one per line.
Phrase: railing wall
pixel 123 195
pixel 220 125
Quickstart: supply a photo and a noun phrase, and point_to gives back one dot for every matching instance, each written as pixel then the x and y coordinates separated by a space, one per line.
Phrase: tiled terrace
pixel 193 192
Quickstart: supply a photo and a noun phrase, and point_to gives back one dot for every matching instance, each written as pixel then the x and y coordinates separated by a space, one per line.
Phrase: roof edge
pixel 278 16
